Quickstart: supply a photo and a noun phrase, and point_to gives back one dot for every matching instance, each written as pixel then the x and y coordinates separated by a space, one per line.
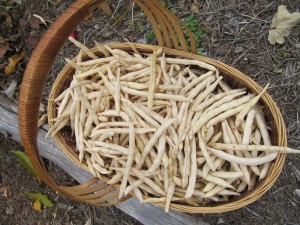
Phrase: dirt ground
pixel 235 32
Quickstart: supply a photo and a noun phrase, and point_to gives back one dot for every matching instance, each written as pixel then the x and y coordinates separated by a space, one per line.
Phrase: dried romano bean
pixel 167 127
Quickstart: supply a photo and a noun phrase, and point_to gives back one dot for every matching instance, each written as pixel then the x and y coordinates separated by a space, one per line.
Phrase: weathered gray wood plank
pixel 145 213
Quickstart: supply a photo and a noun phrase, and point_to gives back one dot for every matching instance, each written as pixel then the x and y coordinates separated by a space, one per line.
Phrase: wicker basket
pixel 93 191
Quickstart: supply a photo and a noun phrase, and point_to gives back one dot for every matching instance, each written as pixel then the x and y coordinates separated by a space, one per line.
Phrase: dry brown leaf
pixel 35 23
pixel 13 61
pixel 89 16
pixel 3 50
pixel 106 9
pixel 195 8
pixel 33 40
pixel 282 24
pixel 4 191
pixel 8 21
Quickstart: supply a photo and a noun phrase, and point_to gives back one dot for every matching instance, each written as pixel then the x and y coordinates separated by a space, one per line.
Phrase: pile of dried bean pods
pixel 167 128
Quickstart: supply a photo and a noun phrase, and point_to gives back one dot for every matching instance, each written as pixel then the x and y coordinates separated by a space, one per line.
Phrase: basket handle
pixel 40 64
pixel 32 86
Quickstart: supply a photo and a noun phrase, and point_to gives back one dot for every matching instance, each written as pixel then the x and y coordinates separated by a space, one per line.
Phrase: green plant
pixel 142 15
pixel 44 199
pixel 191 22
pixel 150 36
pixel 174 10
pixel 140 26
pixel 197 31
pixel 24 159
pixel 283 53
pixel 16 93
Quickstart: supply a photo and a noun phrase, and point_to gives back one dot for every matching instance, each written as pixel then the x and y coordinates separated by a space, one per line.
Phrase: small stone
pixel 106 33
pixel 9 210
pixel 209 18
pixel 297 192
pixel 221 221
pixel 142 41
pixel 238 49
pixel 62 205
pixel 127 30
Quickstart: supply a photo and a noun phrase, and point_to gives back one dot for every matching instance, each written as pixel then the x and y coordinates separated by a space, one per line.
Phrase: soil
pixel 235 32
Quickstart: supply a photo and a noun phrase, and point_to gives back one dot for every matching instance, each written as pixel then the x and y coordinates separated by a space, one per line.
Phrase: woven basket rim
pixel 225 70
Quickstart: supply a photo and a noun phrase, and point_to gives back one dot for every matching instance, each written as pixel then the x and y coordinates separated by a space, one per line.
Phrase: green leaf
pixel 150 36
pixel 26 163
pixel 46 202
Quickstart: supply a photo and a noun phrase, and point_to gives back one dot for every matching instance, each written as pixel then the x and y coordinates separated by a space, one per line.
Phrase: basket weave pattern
pixel 233 77
pixel 170 35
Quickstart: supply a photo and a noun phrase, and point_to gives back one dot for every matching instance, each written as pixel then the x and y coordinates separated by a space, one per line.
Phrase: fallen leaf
pixel 105 8
pixel 238 49
pixel 9 91
pixel 37 205
pixel 8 21
pixel 13 61
pixel 34 22
pixel 33 40
pixel 44 200
pixel 4 191
pixel 4 49
pixel 195 8
pixel 26 163
pixel 282 24
pixel 24 24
